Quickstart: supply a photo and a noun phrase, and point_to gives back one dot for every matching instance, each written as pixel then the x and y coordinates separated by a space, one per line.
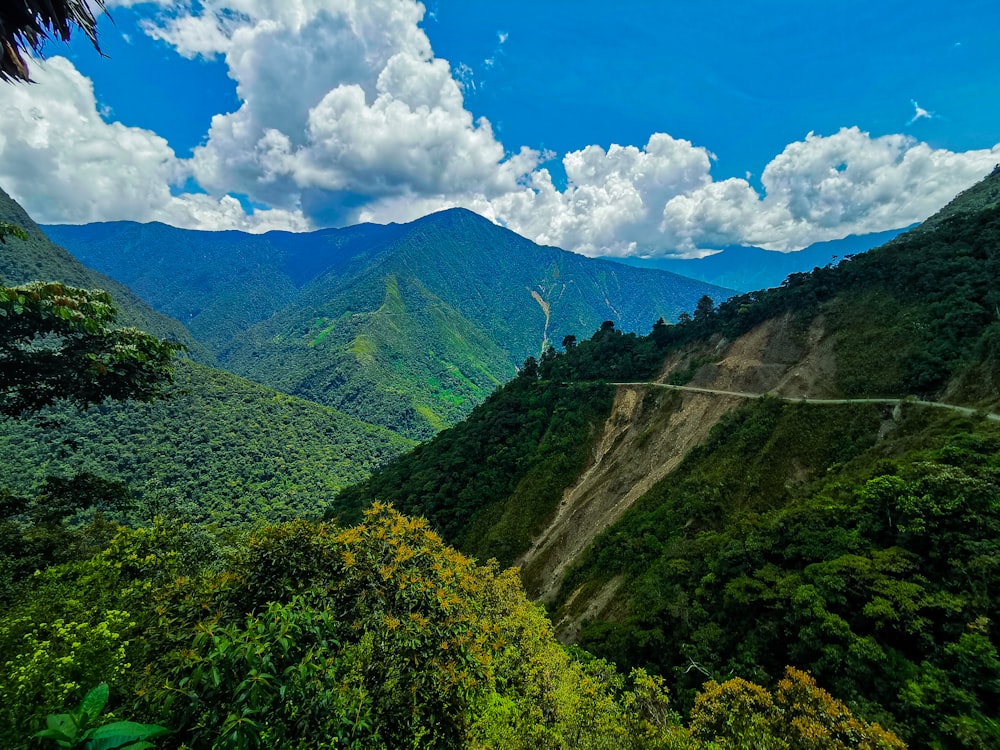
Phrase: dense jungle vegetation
pixel 288 635
pixel 306 635
pixel 876 575
pixel 217 448
pixel 33 257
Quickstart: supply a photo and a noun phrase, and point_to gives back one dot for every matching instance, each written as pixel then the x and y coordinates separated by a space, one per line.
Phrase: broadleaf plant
pixel 75 729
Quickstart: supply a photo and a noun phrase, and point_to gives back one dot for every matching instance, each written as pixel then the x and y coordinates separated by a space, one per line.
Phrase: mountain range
pixel 405 326
pixel 805 475
pixel 745 268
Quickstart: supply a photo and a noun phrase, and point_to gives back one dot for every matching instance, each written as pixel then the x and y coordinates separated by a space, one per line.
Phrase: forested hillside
pixel 37 259
pixel 490 483
pixel 219 449
pixel 839 525
pixel 217 283
pixel 407 326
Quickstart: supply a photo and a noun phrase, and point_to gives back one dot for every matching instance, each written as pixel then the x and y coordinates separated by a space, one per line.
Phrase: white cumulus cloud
pixel 339 99
pixel 823 188
pixel 613 200
pixel 66 164
pixel 662 199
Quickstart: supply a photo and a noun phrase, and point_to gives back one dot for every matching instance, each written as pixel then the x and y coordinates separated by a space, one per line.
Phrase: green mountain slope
pixel 440 318
pixel 408 326
pixel 385 349
pixel 217 283
pixel 222 447
pixel 705 534
pixel 38 259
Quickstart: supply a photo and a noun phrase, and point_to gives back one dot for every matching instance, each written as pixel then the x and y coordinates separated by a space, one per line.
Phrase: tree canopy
pixel 58 342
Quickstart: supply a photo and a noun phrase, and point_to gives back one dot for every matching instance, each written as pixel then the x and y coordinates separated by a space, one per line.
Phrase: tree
pixel 59 343
pixel 799 714
pixel 704 309
pixel 660 333
pixel 26 25
pixel 529 370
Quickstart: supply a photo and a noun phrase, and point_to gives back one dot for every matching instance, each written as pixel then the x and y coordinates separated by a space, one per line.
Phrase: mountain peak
pixel 451 217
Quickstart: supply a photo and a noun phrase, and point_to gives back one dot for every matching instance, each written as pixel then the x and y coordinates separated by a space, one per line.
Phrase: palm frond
pixel 25 26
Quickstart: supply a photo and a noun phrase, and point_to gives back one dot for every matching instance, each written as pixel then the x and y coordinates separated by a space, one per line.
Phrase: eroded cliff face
pixel 649 433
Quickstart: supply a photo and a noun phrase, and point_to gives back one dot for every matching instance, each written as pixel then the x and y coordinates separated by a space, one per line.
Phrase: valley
pixel 744 469
pixel 407 375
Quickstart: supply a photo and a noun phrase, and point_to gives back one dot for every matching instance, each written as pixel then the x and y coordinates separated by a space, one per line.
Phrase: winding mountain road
pixel 969 411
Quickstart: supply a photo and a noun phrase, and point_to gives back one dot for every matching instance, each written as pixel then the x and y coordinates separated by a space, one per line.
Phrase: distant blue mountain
pixel 749 268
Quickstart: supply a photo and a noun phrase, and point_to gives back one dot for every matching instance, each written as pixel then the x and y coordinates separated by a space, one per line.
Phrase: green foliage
pixel 306 635
pixel 385 349
pixel 58 343
pixel 384 606
pixel 81 622
pixel 220 448
pixel 799 714
pixel 609 355
pixel 281 679
pixel 36 532
pixel 76 730
pixel 11 230
pixel 490 482
pixel 787 537
pixel 47 662
pixel 379 635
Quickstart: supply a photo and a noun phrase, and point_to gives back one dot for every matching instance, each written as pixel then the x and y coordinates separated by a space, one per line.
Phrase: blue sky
pixel 646 128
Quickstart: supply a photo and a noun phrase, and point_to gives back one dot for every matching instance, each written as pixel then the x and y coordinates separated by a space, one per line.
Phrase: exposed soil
pixel 650 431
